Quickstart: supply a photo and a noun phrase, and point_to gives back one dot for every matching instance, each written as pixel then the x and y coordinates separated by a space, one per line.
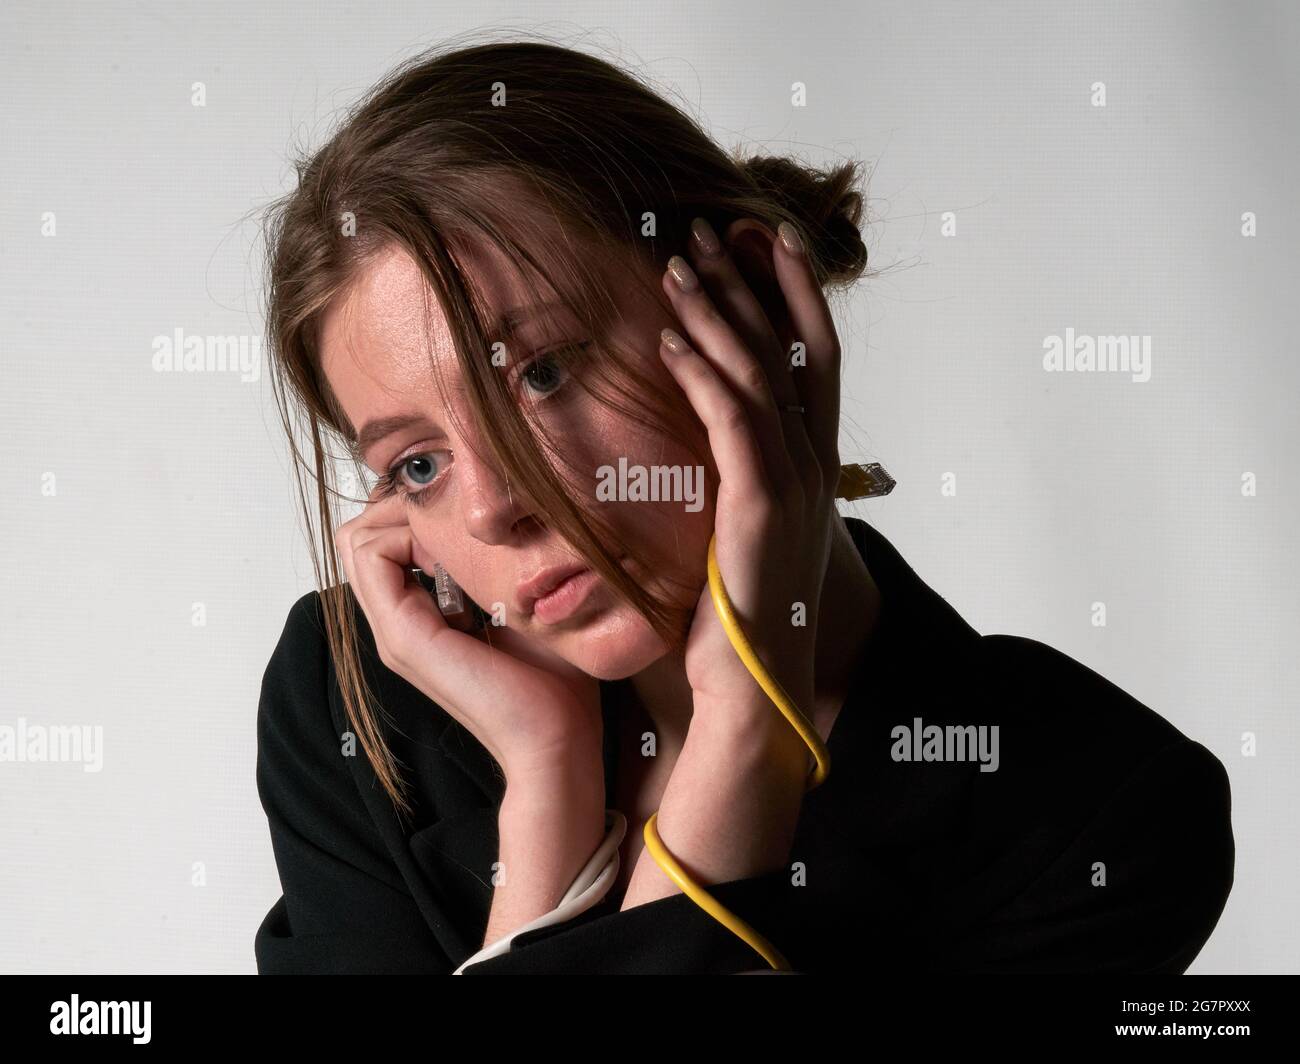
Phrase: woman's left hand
pixel 778 468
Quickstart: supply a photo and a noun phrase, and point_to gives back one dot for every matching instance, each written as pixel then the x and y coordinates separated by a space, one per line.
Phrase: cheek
pixel 421 535
pixel 671 536
pixel 434 539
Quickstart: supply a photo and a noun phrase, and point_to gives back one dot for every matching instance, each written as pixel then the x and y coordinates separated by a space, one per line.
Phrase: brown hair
pixel 440 152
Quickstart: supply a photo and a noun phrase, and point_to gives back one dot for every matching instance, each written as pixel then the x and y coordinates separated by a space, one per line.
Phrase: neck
pixel 846 620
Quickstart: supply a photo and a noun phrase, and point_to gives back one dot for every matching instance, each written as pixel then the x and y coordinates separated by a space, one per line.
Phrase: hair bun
pixel 825 205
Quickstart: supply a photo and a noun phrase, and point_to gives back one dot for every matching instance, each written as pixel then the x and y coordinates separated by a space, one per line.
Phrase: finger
pixel 466 676
pixel 731 290
pixel 818 382
pixel 753 261
pixel 714 340
pixel 464 620
pixel 380 559
pixel 735 297
pixel 736 452
pixel 377 512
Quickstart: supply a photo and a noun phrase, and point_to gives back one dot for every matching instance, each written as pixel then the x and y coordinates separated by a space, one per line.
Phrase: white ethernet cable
pixel 591 885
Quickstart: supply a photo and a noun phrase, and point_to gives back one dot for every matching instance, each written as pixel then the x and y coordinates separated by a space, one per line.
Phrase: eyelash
pixel 390 483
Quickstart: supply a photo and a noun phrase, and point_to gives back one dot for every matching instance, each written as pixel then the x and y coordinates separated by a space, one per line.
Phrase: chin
pixel 614 646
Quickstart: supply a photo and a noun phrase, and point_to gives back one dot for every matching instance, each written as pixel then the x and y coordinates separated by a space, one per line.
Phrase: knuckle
pixel 814 488
pixel 766 512
pixel 694 371
pixel 709 313
pixel 791 492
pixel 788 504
pixel 830 478
pixel 733 417
pixel 754 378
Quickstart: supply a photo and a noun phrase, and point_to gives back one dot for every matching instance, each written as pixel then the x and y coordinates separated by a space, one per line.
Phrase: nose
pixel 492 507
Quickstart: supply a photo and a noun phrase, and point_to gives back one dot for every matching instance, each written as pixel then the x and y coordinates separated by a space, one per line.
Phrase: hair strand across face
pixel 457 149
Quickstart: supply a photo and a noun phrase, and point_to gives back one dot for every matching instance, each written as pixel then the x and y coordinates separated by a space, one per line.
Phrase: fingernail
pixel 790 238
pixel 706 239
pixel 673 342
pixel 683 274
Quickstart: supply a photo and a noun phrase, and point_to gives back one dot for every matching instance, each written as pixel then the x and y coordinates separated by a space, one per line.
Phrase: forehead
pixel 380 336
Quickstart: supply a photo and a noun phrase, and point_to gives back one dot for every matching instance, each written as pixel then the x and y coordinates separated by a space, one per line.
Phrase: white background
pixel 1072 488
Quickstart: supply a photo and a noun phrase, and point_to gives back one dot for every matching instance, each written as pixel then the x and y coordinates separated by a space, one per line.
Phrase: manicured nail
pixel 706 239
pixel 683 274
pixel 790 238
pixel 674 343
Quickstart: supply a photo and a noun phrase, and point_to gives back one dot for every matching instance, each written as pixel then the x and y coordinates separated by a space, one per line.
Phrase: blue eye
pixel 543 375
pixel 547 373
pixel 409 466
pixel 420 470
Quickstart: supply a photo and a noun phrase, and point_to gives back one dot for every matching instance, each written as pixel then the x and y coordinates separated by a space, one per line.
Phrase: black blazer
pixel 930 866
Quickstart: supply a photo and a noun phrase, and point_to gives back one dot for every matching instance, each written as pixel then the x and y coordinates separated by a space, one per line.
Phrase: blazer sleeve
pixel 669 936
pixel 1164 842
pixel 345 907
pixel 673 936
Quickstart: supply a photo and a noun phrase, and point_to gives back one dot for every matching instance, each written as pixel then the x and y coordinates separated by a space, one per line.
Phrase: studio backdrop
pixel 1043 181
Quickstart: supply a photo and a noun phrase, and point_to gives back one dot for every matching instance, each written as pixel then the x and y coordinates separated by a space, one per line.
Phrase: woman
pixel 576 341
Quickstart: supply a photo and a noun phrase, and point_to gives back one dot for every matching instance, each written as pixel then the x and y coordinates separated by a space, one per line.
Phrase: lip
pixel 566 597
pixel 537 587
pixel 532 591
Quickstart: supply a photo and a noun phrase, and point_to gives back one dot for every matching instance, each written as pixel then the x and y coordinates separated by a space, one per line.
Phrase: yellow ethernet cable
pixel 856 482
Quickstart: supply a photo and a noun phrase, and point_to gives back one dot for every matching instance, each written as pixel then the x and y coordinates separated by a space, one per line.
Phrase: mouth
pixel 564 600
pixel 556 594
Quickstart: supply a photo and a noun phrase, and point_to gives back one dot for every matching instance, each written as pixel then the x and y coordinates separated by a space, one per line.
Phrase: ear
pixel 749 242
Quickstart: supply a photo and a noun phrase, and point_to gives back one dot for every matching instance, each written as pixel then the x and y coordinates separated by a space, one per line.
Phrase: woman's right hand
pixel 530 709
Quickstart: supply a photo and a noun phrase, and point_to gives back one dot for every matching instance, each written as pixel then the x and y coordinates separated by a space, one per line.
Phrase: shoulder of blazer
pixel 1042 699
pixel 1085 766
pixel 1057 699
pixel 1094 775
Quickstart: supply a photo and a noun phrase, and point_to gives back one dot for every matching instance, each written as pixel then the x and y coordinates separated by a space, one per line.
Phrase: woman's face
pixel 376 355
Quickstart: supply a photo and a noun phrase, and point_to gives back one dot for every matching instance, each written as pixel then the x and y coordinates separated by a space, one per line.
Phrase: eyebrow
pixel 509 322
pixel 374 431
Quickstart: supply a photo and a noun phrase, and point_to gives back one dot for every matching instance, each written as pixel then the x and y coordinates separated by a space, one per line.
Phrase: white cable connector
pixel 591 885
